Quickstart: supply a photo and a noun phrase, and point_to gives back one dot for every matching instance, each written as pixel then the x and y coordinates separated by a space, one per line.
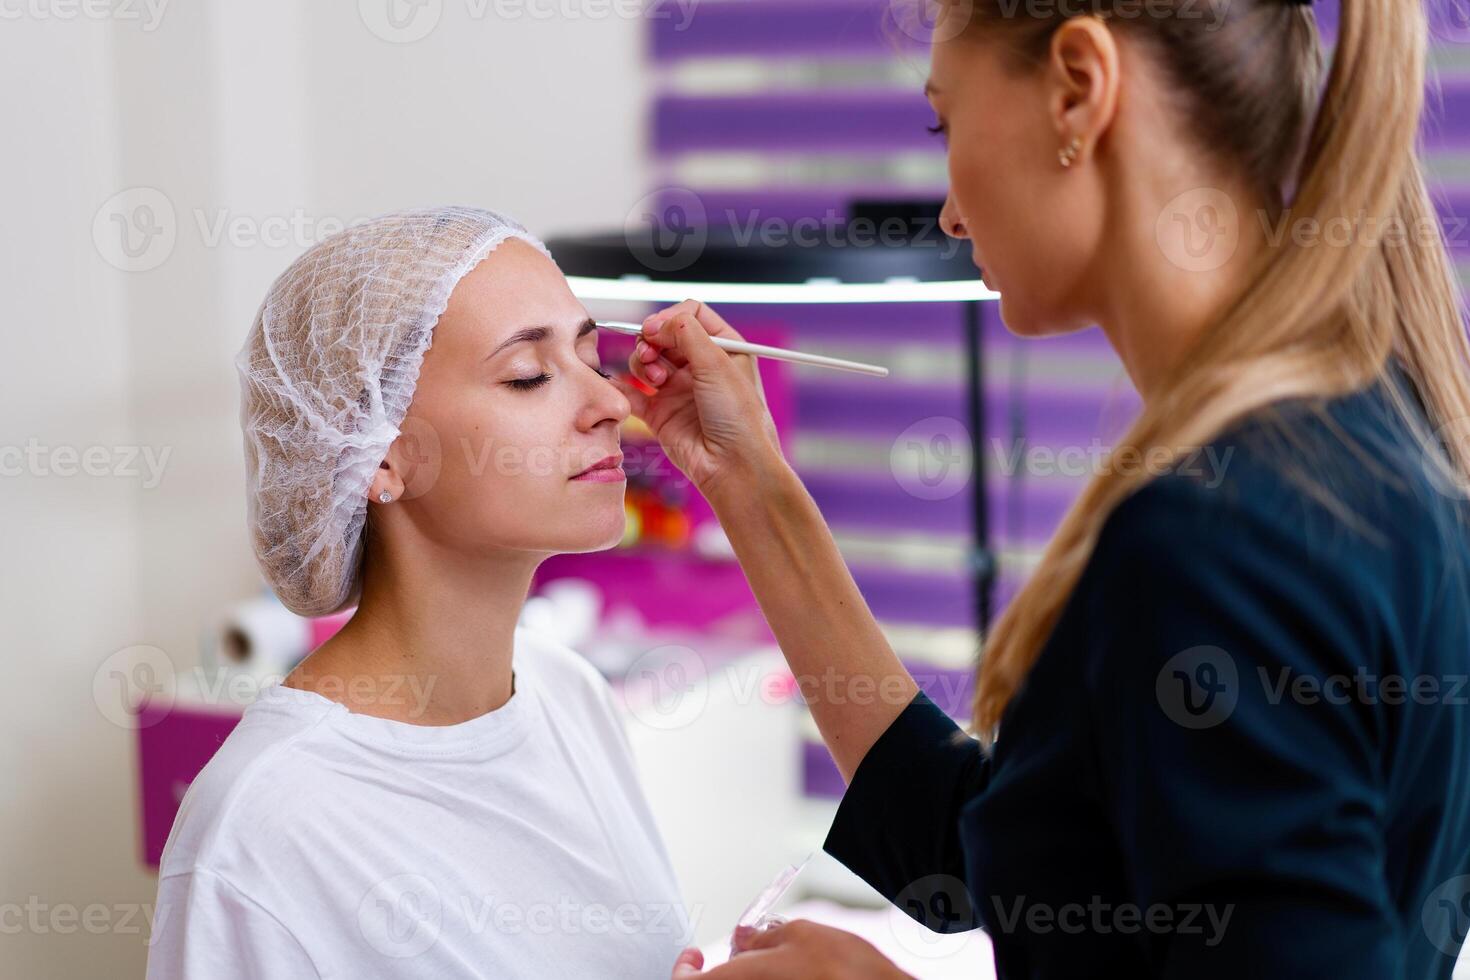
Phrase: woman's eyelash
pixel 526 384
pixel 937 129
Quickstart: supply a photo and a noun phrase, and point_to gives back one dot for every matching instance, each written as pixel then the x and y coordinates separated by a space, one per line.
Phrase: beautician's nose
pixel 949 219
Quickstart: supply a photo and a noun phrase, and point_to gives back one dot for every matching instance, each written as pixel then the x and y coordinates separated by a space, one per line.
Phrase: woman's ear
pixel 388 485
pixel 1082 81
pixel 412 463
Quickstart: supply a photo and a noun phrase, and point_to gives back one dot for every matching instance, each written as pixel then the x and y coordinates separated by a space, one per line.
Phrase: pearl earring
pixel 1068 154
pixel 385 497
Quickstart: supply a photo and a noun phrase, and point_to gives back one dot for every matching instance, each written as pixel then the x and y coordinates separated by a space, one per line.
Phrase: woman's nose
pixel 604 402
pixel 949 220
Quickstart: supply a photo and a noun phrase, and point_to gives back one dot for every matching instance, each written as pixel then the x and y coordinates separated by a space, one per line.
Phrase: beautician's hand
pixel 709 412
pixel 800 949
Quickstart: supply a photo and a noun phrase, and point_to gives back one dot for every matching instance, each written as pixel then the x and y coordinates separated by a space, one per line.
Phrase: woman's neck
pixel 432 640
pixel 1172 269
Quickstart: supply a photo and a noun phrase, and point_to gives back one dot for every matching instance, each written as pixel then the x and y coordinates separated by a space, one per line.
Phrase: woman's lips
pixel 608 470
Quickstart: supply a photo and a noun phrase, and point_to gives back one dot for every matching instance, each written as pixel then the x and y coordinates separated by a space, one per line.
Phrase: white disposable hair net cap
pixel 326 377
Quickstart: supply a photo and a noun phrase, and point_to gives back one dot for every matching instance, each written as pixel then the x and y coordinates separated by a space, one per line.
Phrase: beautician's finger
pixel 652 373
pixel 653 365
pixel 664 346
pixel 663 337
pixel 714 324
pixel 661 332
pixel 772 936
pixel 634 390
pixel 685 335
pixel 764 965
pixel 741 937
pixel 688 964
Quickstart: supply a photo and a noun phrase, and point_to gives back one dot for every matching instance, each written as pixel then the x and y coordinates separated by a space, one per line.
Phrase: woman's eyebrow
pixel 534 335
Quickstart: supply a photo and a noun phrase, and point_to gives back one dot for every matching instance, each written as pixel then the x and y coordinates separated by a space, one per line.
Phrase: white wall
pixel 69 546
pixel 221 111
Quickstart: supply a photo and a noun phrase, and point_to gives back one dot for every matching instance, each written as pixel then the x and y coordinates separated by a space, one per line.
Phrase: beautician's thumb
pixel 688 963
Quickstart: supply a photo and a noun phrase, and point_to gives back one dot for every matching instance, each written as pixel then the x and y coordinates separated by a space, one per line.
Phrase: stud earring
pixel 1068 154
pixel 385 497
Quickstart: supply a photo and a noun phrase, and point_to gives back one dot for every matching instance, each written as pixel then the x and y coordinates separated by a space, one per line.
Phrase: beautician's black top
pixel 1250 707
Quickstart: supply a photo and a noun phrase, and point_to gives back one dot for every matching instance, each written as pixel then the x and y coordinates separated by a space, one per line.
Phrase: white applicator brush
pixel 761 350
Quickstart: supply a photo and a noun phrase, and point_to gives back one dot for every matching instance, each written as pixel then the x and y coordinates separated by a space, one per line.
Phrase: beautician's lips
pixel 608 470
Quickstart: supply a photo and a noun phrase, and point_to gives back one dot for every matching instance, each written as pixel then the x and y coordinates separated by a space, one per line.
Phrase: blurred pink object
pixel 174 742
pixel 323 628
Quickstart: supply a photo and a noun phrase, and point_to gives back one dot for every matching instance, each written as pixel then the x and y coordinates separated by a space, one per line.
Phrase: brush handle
pixel 761 350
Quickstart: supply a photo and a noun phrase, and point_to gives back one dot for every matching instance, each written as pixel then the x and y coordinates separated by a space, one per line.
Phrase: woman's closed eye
pixel 528 384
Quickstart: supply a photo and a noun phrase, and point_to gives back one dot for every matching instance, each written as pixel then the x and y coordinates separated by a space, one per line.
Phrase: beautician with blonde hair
pixel 1218 728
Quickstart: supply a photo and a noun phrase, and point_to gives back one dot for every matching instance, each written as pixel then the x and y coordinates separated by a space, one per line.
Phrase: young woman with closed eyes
pixel 433 792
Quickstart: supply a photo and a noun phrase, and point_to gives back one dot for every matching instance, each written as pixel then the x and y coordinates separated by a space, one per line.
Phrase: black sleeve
pixel 897 827
pixel 1230 792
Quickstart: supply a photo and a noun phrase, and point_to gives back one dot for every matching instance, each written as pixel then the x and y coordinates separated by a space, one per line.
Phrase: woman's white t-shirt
pixel 320 842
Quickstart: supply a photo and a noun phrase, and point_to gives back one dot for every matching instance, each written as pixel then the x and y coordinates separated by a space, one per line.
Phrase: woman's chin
pixel 598 536
pixel 1025 322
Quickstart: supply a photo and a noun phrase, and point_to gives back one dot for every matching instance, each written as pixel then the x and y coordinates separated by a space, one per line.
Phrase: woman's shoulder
pixel 254 783
pixel 1321 480
pixel 1321 531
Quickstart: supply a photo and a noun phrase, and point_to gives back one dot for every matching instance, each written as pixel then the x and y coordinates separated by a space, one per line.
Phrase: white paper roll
pixel 260 638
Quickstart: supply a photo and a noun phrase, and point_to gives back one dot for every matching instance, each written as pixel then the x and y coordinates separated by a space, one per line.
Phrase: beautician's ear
pixel 1082 79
